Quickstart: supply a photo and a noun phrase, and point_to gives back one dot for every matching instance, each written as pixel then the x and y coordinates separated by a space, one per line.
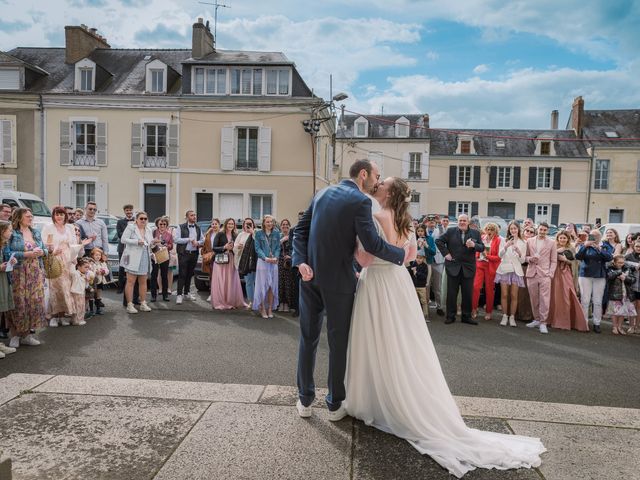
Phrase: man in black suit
pixel 121 225
pixel 459 245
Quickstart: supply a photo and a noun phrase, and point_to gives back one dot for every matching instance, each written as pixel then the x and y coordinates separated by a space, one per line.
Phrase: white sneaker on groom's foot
pixel 338 414
pixel 304 412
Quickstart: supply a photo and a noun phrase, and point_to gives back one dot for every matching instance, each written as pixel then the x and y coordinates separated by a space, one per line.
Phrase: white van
pixel 41 213
pixel 623 229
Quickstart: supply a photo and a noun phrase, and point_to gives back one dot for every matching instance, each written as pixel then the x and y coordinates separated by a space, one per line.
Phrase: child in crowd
pixel 419 272
pixel 620 278
pixel 6 295
pixel 101 270
pixel 79 284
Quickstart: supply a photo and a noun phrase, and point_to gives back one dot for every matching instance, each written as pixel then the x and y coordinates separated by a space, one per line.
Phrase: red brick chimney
pixel 577 116
pixel 81 41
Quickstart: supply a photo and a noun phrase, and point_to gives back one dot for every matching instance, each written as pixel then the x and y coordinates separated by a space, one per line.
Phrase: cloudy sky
pixel 468 63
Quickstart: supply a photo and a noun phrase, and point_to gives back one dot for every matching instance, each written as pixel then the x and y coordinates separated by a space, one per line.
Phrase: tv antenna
pixel 215 16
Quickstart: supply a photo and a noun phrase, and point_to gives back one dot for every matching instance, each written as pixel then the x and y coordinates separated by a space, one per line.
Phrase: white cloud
pixel 480 69
pixel 433 56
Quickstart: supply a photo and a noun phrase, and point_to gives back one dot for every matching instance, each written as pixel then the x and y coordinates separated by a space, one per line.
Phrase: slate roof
pixel 382 126
pixel 242 57
pixel 626 123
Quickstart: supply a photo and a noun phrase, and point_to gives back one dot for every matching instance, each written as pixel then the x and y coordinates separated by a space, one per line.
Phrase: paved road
pixel 189 342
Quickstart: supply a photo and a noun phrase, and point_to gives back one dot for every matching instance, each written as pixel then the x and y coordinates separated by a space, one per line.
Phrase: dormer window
pixel 545 147
pixel 156 77
pixel 402 128
pixel 465 145
pixel 85 77
pixel 361 127
pixel 10 79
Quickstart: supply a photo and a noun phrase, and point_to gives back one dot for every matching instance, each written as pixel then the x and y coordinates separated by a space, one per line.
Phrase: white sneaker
pixel 338 414
pixel 209 298
pixel 6 350
pixel 80 323
pixel 534 324
pixel 144 307
pixel 53 323
pixel 14 342
pixel 191 296
pixel 543 328
pixel 131 308
pixel 512 321
pixel 64 322
pixel 503 322
pixel 30 340
pixel 304 412
pixel 179 300
pixel 2 355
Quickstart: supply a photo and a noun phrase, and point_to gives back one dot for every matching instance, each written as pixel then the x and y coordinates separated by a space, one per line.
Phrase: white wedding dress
pixel 394 381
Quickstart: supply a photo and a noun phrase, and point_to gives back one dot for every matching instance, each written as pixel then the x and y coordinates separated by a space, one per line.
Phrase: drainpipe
pixel 591 163
pixel 43 190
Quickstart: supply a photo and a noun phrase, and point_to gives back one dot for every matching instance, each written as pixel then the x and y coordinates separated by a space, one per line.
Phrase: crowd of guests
pixel 546 282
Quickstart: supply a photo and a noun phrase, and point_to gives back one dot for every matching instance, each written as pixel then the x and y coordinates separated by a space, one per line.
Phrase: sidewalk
pixel 109 428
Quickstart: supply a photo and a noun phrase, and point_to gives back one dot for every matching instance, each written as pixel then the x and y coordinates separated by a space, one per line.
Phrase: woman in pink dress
pixel 226 290
pixel 565 311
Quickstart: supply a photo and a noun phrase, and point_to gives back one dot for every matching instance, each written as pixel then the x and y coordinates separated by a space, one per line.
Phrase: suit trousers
pixel 455 283
pixel 540 293
pixel 314 301
pixel 436 282
pixel 484 277
pixel 186 266
pixel 163 268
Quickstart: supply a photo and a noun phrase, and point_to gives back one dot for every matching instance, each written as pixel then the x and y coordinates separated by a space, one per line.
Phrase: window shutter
pixel 476 177
pixel 557 174
pixel 264 149
pixel 405 164
pixel 65 143
pixel 136 145
pixel 533 171
pixel 101 144
pixel 424 165
pixel 493 177
pixel 516 177
pixel 555 213
pixel 65 194
pixel 453 177
pixel 8 152
pixel 102 197
pixel 172 150
pixel 452 209
pixel 474 209
pixel 226 148
pixel 531 211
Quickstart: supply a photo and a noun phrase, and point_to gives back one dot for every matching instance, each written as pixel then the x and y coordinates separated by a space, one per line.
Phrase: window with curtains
pixel 246 81
pixel 415 159
pixel 601 177
pixel 464 176
pixel 544 178
pixel 84 154
pixel 261 205
pixel 504 177
pixel 83 192
pixel 156 145
pixel 247 148
pixel 463 208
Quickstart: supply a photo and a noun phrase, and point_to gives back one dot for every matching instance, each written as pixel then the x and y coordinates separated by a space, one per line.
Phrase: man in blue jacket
pixel 323 250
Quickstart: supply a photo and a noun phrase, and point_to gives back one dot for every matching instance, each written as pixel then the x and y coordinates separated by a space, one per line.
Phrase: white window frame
pixel 463 208
pixel 461 170
pixel 82 66
pixel 241 71
pixel 86 85
pixel 13 157
pixel 504 177
pixel 208 71
pixel 86 198
pixel 20 78
pixel 402 128
pixel 237 146
pixel 262 212
pixel 155 67
pixel 552 147
pixel 466 138
pixel 246 199
pixel 155 161
pixel 415 166
pixel 361 121
pixel 280 72
pixel 84 159
pixel 157 80
pixel 542 170
pixel 601 175
pixel 542 212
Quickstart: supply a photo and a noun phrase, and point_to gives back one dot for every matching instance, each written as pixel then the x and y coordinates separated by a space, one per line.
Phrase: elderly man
pixel 94 228
pixel 459 245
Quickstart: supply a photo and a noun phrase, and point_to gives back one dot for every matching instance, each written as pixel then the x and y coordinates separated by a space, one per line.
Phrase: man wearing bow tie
pixel 188 239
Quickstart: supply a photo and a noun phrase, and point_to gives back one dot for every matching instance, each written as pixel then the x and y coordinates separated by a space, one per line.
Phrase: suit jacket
pixel 464 258
pixel 132 251
pixel 547 258
pixel 121 225
pixel 325 237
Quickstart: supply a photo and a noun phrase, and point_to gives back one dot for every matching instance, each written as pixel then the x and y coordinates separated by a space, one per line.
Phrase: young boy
pixel 419 270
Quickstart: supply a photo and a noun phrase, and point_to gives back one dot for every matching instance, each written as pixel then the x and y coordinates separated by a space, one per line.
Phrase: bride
pixel 394 381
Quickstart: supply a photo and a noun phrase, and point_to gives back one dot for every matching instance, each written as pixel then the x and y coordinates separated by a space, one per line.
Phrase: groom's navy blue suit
pixel 325 239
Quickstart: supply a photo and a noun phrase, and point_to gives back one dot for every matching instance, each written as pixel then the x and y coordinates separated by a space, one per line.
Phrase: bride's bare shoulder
pixel 383 216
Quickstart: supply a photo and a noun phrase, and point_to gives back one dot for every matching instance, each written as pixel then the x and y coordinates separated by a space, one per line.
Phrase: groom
pixel 323 249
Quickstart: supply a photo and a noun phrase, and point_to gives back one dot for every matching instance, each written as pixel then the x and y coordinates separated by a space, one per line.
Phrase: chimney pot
pixel 554 120
pixel 94 31
pixel 80 42
pixel 577 116
pixel 202 41
pixel 200 20
pixel 425 120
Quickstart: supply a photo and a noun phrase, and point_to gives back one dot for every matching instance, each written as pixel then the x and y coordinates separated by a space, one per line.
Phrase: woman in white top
pixel 510 275
pixel 136 259
pixel 60 237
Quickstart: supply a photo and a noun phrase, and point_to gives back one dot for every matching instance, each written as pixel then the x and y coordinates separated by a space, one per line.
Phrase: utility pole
pixel 215 16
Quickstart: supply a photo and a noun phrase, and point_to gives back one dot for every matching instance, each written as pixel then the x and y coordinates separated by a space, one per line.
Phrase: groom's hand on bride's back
pixel 306 272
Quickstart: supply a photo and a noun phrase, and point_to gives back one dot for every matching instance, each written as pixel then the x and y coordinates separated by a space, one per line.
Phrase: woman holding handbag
pixel 510 274
pixel 161 259
pixel 226 290
pixel 245 257
pixel 136 259
pixel 207 252
pixel 267 243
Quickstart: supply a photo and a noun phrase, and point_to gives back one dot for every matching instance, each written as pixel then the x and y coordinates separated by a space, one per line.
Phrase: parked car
pixel 112 253
pixel 482 221
pixel 623 229
pixel 41 213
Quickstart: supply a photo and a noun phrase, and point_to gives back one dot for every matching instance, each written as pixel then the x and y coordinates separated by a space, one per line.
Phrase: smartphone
pixel 9 267
pixel 591 238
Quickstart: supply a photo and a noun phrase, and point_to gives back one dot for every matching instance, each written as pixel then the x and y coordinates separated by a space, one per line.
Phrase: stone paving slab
pixel 51 436
pixel 12 385
pixel 125 387
pixel 280 395
pixel 381 456
pixel 234 441
pixel 585 452
pixel 549 412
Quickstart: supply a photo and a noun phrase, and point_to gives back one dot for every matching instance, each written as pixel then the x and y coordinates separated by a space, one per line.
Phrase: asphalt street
pixel 193 343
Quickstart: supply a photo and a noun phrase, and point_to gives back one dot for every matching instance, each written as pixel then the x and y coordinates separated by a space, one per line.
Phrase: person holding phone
pixel 245 257
pixel 592 277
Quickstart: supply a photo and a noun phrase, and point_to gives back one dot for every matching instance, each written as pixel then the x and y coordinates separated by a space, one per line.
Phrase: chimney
pixel 425 121
pixel 577 116
pixel 554 120
pixel 202 43
pixel 80 42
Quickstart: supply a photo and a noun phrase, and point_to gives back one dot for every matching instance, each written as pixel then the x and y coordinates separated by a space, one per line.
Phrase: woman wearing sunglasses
pixel 136 259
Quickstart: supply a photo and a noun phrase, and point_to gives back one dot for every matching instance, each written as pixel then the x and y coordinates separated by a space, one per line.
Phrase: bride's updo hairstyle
pixel 399 198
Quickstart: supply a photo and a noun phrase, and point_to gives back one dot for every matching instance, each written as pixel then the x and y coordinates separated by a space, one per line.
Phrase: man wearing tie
pixel 188 239
pixel 459 245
